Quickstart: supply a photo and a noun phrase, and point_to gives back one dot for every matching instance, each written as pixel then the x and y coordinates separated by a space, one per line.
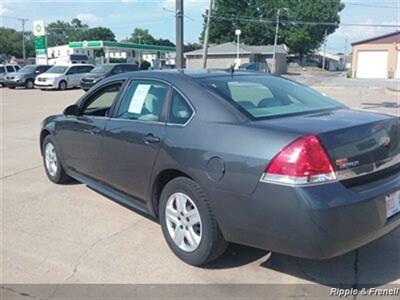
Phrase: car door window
pixel 9 69
pixel 180 110
pixel 101 101
pixel 85 69
pixel 143 101
pixel 17 68
pixel 72 71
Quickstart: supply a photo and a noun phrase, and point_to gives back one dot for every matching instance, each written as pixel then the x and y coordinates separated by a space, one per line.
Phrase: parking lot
pixel 70 233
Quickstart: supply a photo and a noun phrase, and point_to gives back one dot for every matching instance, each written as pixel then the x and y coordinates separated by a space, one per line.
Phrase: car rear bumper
pixel 317 222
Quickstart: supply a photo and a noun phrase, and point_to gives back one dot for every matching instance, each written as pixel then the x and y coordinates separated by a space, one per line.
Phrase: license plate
pixel 392 204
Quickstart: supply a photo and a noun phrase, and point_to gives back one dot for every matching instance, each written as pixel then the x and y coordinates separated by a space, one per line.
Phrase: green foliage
pixel 191 47
pixel 248 15
pixel 143 36
pixel 11 43
pixel 61 32
pixel 144 65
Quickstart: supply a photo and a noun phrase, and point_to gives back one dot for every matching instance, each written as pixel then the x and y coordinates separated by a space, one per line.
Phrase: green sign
pixel 41 45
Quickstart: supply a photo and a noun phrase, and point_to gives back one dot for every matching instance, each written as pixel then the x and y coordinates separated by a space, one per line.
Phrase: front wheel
pixel 62 85
pixel 52 164
pixel 188 224
pixel 29 84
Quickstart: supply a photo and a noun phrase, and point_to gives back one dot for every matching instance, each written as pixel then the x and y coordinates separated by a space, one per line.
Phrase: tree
pixel 191 47
pixel 100 33
pixel 61 32
pixel 256 18
pixel 11 43
pixel 143 36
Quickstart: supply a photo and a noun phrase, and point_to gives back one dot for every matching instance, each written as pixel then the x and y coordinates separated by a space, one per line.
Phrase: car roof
pixel 193 74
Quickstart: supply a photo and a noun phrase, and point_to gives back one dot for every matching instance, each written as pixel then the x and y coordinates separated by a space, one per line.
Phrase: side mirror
pixel 72 110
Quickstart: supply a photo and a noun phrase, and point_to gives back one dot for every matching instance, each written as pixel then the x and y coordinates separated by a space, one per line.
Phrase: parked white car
pixel 5 69
pixel 62 76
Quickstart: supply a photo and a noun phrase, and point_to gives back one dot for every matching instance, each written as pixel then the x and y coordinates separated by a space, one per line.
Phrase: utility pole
pixel 179 33
pixel 323 58
pixel 140 51
pixel 207 33
pixel 23 39
pixel 276 40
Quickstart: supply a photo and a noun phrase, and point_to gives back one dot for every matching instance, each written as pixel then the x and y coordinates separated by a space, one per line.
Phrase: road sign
pixel 38 28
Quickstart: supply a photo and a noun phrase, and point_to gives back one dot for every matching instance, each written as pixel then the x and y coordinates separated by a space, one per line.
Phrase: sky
pixel 122 16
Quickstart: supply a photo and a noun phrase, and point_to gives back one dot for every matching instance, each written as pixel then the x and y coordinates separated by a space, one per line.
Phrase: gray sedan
pixel 219 157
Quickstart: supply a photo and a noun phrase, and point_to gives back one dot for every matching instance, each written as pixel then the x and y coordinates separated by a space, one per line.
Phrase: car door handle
pixel 151 139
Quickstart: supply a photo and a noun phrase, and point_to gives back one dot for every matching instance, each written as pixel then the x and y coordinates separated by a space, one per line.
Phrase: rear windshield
pixel 269 96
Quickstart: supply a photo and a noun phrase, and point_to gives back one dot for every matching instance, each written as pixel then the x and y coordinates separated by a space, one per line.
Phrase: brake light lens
pixel 302 162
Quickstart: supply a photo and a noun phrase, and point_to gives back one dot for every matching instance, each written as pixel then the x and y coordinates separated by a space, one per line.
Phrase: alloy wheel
pixel 51 159
pixel 183 222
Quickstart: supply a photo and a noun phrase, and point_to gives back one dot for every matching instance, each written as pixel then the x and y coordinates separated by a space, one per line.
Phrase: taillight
pixel 302 162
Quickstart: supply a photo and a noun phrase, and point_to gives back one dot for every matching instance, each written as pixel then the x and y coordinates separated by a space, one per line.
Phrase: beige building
pixel 224 56
pixel 378 57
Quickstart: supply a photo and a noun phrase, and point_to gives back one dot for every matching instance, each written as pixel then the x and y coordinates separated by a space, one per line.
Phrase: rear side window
pixel 2 69
pixel 269 96
pixel 143 100
pixel 180 110
pixel 16 68
pixel 84 69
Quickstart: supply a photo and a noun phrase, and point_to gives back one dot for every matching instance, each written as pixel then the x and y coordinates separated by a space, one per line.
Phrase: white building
pixel 99 52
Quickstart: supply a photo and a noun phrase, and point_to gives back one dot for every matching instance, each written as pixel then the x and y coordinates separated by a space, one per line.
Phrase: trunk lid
pixel 357 142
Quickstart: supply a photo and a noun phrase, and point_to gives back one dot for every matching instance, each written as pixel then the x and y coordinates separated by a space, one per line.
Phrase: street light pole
pixel 179 33
pixel 238 32
pixel 23 39
pixel 276 40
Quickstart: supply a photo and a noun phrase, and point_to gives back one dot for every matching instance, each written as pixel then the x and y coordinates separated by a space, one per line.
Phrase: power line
pixel 298 22
pixel 371 5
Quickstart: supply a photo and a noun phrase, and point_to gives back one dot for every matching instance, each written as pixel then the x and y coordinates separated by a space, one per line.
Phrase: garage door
pixel 372 64
pixel 398 65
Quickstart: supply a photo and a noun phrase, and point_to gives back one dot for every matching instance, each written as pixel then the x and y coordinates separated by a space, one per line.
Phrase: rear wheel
pixel 52 163
pixel 29 84
pixel 11 87
pixel 62 85
pixel 188 223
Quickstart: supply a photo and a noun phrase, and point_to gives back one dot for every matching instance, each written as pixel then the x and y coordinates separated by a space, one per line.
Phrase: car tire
pixel 29 84
pixel 11 87
pixel 207 242
pixel 52 163
pixel 62 85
